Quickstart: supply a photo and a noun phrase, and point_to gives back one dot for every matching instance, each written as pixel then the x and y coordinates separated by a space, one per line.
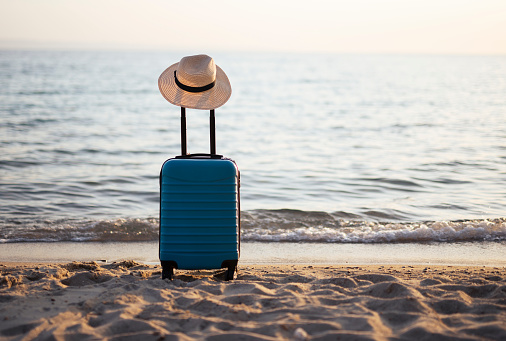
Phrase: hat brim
pixel 206 100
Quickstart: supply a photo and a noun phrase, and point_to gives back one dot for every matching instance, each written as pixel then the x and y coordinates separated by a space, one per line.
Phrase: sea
pixel 332 148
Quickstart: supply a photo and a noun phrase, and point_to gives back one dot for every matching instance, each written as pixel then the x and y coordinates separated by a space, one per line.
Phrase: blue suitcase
pixel 199 210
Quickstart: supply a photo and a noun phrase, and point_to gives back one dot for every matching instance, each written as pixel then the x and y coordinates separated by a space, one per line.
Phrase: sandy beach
pixel 128 300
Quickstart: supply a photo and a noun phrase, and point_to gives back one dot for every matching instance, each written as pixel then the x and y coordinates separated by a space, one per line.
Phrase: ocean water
pixel 331 148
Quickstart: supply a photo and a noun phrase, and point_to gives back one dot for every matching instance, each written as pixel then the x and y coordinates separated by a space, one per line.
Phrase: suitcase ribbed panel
pixel 199 212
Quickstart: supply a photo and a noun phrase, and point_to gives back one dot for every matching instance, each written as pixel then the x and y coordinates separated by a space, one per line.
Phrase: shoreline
pixel 129 300
pixel 274 253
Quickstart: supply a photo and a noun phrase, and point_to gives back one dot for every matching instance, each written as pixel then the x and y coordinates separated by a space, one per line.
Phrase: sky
pixel 351 26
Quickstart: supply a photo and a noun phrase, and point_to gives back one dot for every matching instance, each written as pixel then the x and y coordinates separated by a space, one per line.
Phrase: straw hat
pixel 195 82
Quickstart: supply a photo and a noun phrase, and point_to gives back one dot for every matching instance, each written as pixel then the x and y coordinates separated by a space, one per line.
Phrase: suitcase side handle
pixel 212 132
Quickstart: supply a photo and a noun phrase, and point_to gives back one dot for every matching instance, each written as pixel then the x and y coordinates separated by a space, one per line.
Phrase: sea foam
pixel 263 226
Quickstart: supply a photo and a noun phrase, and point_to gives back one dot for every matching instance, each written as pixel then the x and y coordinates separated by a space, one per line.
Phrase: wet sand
pixel 462 253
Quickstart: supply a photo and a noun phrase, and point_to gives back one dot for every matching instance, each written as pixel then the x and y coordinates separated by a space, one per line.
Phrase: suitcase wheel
pixel 229 274
pixel 168 272
pixel 168 269
pixel 231 266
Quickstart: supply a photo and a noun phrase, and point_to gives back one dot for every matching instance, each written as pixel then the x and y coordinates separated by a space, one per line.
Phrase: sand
pixel 461 253
pixel 129 301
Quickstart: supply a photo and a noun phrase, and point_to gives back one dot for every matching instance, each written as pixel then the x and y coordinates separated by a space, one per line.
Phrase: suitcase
pixel 199 210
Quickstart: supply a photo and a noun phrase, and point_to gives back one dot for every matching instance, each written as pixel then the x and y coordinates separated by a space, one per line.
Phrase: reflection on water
pixel 382 138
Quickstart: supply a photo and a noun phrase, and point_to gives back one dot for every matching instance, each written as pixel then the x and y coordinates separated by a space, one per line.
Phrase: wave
pixel 262 226
pixel 302 226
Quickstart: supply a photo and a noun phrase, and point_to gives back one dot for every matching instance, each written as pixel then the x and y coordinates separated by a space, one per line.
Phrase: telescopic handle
pixel 212 132
pixel 184 150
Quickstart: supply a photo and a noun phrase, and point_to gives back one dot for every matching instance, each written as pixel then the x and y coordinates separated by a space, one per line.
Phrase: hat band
pixel 193 88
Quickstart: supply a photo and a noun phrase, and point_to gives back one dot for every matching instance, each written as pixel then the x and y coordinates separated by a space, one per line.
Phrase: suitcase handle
pixel 212 133
pixel 199 156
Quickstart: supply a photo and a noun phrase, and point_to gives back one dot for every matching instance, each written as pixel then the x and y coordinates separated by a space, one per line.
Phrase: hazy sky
pixel 377 26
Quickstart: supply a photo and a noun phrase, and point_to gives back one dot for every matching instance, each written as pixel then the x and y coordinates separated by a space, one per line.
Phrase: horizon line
pixel 231 50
